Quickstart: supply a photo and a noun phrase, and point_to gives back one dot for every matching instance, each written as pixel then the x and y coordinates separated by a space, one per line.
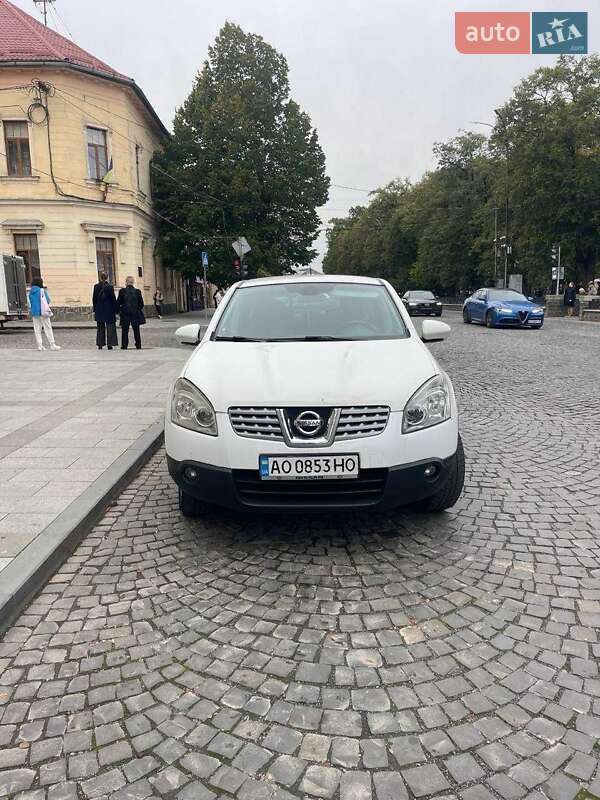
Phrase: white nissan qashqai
pixel 313 393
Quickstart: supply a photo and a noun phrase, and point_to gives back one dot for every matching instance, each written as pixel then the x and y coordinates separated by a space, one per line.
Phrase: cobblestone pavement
pixel 347 657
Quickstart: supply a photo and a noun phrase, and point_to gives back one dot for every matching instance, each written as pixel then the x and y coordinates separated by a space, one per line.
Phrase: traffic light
pixel 555 248
pixel 237 266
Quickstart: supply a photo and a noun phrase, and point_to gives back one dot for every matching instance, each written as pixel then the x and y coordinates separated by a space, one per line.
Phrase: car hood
pixel 516 305
pixel 310 373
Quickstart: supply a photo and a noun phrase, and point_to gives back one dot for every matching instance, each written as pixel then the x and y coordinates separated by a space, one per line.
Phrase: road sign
pixel 204 258
pixel 241 246
pixel 515 281
pixel 556 273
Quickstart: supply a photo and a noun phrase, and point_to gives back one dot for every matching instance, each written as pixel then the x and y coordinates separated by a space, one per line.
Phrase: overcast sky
pixel 380 79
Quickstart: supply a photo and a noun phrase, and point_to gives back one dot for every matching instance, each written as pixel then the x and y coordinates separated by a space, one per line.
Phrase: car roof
pixel 318 278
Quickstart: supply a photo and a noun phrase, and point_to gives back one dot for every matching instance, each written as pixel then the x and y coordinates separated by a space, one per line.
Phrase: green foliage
pixel 439 232
pixel 243 160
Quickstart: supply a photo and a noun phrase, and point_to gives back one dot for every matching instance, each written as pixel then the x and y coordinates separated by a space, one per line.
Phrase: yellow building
pixel 76 142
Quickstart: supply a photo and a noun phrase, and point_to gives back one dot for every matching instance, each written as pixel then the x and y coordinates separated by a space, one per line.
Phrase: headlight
pixel 504 309
pixel 537 310
pixel 428 406
pixel 411 304
pixel 438 303
pixel 191 409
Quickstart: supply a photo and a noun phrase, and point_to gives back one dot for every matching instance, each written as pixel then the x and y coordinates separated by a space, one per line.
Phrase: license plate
pixel 308 467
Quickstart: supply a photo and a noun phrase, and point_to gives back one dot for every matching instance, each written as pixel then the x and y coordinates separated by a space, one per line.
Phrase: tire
pixel 489 320
pixel 190 506
pixel 447 496
pixel 466 317
pixel 439 315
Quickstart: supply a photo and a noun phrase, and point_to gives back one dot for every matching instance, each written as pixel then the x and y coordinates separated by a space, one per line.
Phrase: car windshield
pixel 421 295
pixel 310 311
pixel 507 295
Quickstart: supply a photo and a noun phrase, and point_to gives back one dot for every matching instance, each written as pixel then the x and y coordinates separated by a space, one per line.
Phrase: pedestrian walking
pixel 569 298
pixel 41 313
pixel 158 301
pixel 592 290
pixel 105 313
pixel 130 305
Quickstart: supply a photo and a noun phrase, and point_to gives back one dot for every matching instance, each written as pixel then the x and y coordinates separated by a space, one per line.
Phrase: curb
pixel 37 562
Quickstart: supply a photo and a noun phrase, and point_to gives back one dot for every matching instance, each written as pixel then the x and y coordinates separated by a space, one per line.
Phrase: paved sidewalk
pixel 65 417
pixel 169 320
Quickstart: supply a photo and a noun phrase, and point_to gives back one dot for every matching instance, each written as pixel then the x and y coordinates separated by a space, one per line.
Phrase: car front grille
pixel 256 423
pixel 366 490
pixel 355 422
pixel 359 421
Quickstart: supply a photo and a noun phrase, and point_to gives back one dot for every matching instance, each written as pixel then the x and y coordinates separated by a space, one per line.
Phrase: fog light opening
pixel 190 473
pixel 431 470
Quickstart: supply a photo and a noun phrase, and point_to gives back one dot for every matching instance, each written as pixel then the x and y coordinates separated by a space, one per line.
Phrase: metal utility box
pixel 13 288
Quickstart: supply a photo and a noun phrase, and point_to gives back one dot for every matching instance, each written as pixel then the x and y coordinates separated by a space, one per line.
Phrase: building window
pixel 18 157
pixel 105 257
pixel 26 246
pixel 138 152
pixel 97 153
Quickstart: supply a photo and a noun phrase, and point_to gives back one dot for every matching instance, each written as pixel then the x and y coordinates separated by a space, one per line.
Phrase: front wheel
pixel 489 320
pixel 466 317
pixel 447 496
pixel 190 506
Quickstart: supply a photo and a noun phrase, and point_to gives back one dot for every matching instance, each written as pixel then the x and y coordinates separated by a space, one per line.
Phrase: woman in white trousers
pixel 39 305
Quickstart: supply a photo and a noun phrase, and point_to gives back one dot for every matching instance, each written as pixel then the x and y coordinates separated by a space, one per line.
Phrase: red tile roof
pixel 23 38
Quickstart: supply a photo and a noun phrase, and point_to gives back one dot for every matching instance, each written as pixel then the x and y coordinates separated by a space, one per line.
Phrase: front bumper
pixel 426 311
pixel 379 489
pixel 530 321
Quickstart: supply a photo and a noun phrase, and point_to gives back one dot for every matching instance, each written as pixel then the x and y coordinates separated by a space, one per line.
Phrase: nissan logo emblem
pixel 309 423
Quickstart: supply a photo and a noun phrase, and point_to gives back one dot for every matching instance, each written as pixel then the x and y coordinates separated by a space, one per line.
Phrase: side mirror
pixel 434 331
pixel 188 334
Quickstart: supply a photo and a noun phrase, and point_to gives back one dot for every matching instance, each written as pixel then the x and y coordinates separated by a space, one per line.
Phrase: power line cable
pixel 353 188
pixel 155 167
pixel 62 22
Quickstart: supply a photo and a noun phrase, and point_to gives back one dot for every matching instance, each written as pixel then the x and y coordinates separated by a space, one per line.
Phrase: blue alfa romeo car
pixel 502 308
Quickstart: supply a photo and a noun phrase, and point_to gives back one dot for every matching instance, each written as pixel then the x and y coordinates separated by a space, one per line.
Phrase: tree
pixel 375 239
pixel 538 174
pixel 244 159
pixel 424 235
pixel 551 126
pixel 447 219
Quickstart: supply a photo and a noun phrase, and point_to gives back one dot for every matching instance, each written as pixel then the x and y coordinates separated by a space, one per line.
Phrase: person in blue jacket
pixel 39 306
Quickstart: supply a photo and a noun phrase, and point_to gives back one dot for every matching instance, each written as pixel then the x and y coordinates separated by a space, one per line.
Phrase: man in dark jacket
pixel 569 298
pixel 130 305
pixel 105 307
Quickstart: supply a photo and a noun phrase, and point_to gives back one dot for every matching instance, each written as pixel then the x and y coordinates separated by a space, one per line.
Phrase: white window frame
pixel 4 155
pixel 109 150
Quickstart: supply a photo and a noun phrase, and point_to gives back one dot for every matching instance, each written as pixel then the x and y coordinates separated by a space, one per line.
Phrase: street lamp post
pixel 503 121
pixel 506 207
pixel 495 246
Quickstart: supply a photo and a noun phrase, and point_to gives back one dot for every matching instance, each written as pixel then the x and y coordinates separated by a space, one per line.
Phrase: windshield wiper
pixel 312 339
pixel 236 339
